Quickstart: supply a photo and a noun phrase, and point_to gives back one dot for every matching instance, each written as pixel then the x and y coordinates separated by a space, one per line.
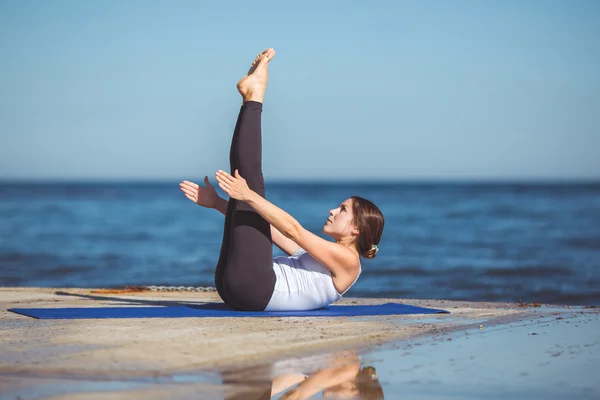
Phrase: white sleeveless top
pixel 302 283
pixel 306 365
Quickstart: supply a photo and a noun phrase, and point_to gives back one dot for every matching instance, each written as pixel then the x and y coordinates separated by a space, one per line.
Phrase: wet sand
pixel 118 355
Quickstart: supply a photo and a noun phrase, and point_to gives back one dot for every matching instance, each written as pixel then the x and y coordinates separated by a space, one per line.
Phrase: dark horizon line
pixel 312 181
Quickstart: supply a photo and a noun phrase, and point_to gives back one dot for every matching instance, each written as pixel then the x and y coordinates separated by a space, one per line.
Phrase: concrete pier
pixel 34 350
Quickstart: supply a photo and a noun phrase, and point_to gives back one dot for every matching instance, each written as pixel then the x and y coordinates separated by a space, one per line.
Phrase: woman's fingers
pixel 236 180
pixel 194 187
pixel 221 175
pixel 225 175
pixel 191 184
pixel 192 198
pixel 229 184
pixel 233 186
pixel 188 188
pixel 190 195
pixel 189 191
pixel 223 182
pixel 226 188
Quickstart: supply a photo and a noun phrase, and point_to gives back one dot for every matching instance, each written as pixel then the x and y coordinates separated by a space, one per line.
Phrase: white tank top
pixel 308 365
pixel 302 283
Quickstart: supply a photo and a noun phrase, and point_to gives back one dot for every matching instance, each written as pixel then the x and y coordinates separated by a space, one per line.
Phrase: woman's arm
pixel 335 257
pixel 321 380
pixel 285 244
pixel 207 197
pixel 284 382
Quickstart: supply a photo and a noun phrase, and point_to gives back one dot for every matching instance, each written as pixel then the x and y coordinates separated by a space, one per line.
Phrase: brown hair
pixel 367 384
pixel 369 222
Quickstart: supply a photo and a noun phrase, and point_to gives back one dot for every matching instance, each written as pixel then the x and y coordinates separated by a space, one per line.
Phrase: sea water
pixel 466 241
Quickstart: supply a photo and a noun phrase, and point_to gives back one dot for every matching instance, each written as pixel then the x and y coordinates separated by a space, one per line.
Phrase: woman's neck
pixel 351 244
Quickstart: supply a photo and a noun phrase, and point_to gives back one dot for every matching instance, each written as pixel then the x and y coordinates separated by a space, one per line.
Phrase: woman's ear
pixel 355 232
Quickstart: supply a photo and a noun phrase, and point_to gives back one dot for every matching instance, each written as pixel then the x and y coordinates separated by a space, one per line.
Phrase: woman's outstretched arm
pixel 286 245
pixel 322 380
pixel 208 197
pixel 335 257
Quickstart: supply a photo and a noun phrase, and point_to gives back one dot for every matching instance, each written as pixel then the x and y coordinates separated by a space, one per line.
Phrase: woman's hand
pixel 203 196
pixel 235 186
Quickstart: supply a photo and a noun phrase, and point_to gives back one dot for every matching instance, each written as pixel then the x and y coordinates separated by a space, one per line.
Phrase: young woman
pixel 317 272
pixel 339 375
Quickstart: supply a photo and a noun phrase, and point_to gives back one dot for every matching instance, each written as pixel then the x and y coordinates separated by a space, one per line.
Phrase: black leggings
pixel 244 277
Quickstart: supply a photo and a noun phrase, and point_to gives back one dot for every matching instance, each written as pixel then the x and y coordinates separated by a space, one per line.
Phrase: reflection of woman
pixel 340 377
pixel 345 379
pixel 318 271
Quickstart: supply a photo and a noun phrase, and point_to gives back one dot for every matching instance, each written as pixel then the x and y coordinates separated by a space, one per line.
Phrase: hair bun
pixel 371 252
pixel 369 372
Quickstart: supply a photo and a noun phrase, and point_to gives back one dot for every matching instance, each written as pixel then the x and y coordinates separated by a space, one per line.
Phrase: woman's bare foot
pixel 252 86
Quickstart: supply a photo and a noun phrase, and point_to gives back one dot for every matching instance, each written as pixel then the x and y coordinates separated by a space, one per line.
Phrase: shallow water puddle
pixel 550 356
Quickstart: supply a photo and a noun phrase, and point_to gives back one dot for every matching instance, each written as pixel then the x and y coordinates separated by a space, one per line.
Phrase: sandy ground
pixel 127 352
pixel 146 347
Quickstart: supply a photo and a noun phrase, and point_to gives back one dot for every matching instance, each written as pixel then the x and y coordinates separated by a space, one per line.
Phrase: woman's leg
pixel 248 276
pixel 244 276
pixel 220 270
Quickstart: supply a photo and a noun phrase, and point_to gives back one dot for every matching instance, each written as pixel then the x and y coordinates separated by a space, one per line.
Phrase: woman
pixel 317 272
pixel 340 382
pixel 339 375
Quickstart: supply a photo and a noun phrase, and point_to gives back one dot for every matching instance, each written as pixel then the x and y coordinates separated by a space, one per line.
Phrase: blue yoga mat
pixel 217 310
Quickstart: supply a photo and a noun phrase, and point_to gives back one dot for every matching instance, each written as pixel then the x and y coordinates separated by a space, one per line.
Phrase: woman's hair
pixel 367 384
pixel 369 221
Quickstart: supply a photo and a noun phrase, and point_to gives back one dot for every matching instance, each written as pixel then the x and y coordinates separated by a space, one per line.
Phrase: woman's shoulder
pixel 351 269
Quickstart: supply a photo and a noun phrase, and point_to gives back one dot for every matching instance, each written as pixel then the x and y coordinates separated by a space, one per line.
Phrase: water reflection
pixel 339 375
pixel 547 355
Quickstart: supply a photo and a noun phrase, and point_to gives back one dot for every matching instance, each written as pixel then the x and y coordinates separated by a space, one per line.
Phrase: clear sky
pixel 358 89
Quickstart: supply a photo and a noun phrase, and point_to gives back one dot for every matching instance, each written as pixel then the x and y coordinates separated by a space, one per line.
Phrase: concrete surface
pixel 132 350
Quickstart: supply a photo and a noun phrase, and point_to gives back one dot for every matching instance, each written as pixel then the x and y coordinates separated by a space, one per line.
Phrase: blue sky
pixel 364 90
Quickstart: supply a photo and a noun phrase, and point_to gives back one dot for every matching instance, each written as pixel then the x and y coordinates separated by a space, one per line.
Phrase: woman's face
pixel 340 221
